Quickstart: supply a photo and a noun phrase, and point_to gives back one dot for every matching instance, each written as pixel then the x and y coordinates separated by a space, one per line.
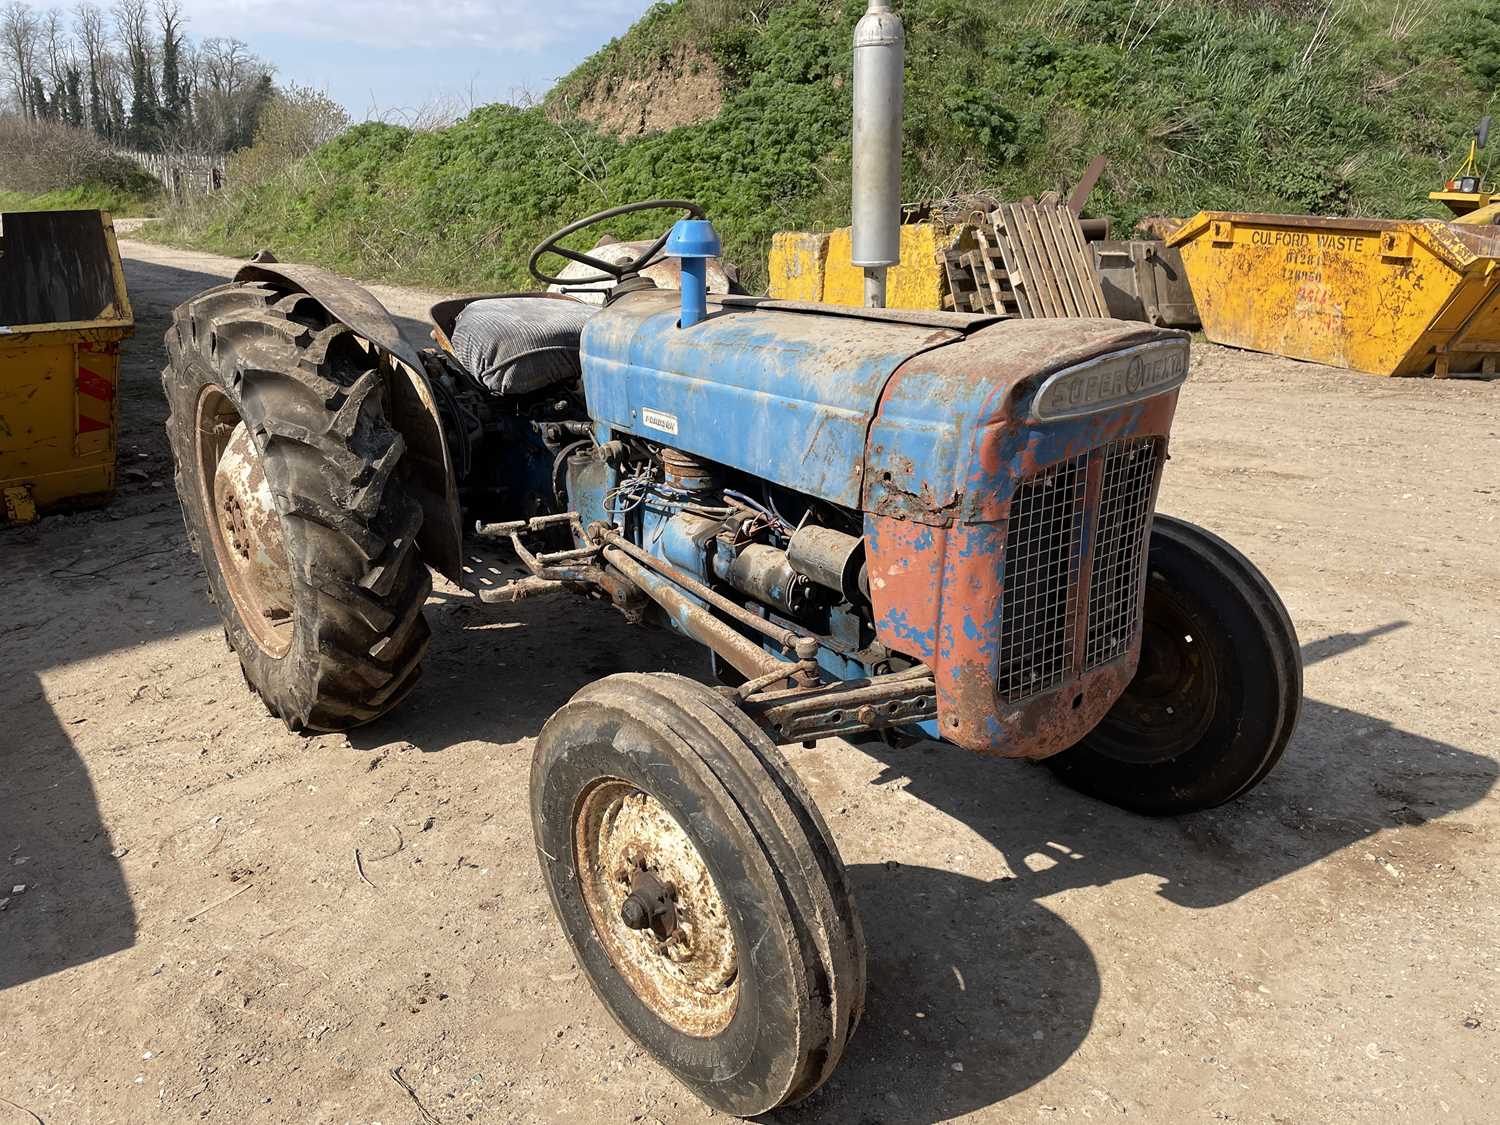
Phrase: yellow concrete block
pixel 796 265
pixel 817 267
pixel 917 283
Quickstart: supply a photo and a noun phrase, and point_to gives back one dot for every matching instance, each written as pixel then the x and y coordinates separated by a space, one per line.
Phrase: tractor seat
pixel 516 345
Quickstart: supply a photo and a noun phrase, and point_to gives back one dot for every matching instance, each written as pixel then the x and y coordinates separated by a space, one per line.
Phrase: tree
pixel 19 33
pixel 131 75
pixel 235 86
pixel 88 22
pixel 294 122
pixel 173 92
pixel 134 33
pixel 74 103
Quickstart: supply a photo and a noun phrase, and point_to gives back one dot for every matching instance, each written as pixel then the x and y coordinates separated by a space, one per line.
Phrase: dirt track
pixel 194 940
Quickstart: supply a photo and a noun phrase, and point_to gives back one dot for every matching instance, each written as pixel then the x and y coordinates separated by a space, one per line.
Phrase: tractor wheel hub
pixel 655 907
pixel 249 543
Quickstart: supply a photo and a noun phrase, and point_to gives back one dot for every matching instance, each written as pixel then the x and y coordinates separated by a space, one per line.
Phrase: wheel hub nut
pixel 649 905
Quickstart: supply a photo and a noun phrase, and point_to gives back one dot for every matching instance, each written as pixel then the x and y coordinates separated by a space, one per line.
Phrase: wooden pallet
pixel 1049 266
pixel 1031 262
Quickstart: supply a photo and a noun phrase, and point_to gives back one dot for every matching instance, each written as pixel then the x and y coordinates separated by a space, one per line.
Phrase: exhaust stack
pixel 879 53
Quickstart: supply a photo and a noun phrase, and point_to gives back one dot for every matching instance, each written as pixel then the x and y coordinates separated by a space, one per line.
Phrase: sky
pixel 391 58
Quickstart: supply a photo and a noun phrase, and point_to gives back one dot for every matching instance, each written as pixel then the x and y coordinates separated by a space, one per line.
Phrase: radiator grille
pixel 1043 557
pixel 1130 471
pixel 1042 553
pixel 1129 474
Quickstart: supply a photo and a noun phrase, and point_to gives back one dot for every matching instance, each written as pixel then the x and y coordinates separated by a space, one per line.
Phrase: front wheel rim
pixel 683 962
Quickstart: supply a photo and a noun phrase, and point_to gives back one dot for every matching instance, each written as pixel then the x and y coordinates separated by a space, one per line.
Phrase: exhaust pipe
pixel 879 53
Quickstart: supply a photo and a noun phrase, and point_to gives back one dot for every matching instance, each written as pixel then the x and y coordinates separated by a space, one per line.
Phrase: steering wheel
pixel 607 272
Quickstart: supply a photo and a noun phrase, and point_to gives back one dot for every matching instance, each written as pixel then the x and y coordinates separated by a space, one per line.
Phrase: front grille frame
pixel 1043 559
pixel 1074 581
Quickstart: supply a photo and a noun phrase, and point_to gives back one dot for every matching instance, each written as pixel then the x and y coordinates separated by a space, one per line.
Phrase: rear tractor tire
pixel 699 889
pixel 1217 692
pixel 290 480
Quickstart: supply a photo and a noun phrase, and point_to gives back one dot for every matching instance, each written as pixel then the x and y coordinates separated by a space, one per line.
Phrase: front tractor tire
pixel 290 479
pixel 1217 692
pixel 699 889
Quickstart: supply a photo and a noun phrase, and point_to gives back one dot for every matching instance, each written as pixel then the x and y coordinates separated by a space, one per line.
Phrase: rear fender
pixel 413 406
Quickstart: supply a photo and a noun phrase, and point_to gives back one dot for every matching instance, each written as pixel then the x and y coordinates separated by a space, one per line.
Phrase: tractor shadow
pixel 496 673
pixel 1008 990
pixel 79 585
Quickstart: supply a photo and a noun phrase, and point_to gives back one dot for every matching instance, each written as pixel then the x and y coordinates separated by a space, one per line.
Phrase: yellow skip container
pixel 1385 296
pixel 63 313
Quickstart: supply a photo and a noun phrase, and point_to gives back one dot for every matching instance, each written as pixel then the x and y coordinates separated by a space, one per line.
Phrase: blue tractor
pixel 885 524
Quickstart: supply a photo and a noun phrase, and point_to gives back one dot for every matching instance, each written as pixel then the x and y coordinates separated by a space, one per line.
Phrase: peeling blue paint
pixel 784 395
pixel 899 626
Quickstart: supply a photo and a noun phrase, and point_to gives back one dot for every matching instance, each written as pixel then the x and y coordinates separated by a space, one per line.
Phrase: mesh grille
pixel 1042 550
pixel 1129 473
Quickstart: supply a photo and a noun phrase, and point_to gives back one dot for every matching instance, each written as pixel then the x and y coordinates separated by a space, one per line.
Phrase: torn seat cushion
pixel 514 345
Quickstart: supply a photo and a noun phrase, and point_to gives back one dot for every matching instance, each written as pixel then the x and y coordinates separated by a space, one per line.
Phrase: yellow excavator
pixel 1468 193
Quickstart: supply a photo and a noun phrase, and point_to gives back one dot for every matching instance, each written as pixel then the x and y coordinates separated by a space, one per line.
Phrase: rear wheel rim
pixel 243 526
pixel 1169 704
pixel 685 967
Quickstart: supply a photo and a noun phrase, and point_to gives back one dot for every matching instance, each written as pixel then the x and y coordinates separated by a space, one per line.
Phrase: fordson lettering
pixel 1126 376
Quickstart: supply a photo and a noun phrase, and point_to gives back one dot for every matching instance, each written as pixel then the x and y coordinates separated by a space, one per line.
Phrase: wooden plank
pixel 955 279
pixel 1045 271
pixel 1026 263
pixel 1046 240
pixel 1091 273
pixel 1068 264
pixel 995 265
pixel 1091 295
pixel 1016 270
pixel 1015 261
pixel 959 281
pixel 987 260
pixel 1015 267
pixel 983 294
pixel 986 270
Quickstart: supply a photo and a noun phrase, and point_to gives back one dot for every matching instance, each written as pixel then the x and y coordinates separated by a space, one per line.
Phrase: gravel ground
pixel 194 941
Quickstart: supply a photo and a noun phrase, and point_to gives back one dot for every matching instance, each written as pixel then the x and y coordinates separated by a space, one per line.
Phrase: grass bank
pixel 120 203
pixel 1292 105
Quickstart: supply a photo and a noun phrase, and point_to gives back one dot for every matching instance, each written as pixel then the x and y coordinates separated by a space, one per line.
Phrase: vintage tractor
pixel 898 525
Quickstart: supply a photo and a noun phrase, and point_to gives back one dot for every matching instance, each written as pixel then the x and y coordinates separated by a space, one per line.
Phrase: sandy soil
pixel 193 939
